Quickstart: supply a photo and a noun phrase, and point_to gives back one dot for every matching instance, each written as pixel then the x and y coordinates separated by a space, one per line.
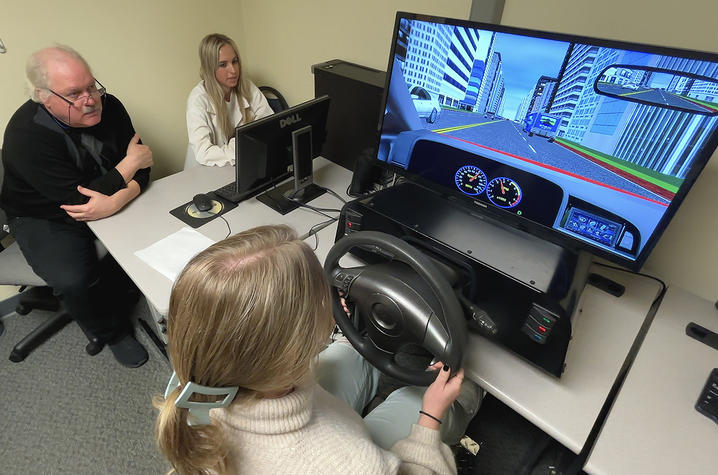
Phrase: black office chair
pixel 275 98
pixel 35 294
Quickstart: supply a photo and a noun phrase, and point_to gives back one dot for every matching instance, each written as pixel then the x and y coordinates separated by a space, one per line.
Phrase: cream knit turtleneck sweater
pixel 309 431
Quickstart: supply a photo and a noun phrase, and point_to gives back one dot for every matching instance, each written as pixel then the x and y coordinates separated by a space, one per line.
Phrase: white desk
pixel 603 329
pixel 146 220
pixel 653 426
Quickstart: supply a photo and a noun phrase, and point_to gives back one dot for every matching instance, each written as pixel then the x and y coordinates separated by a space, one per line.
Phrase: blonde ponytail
pixel 190 449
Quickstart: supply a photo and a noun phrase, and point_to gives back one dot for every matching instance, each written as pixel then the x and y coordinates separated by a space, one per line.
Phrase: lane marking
pixel 533 149
pixel 461 127
pixel 635 92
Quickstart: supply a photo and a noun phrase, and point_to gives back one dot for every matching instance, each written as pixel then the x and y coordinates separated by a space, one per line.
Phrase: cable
pixel 318 210
pixel 229 229
pixel 332 192
pixel 318 227
pixel 291 198
pixel 360 195
pixel 316 242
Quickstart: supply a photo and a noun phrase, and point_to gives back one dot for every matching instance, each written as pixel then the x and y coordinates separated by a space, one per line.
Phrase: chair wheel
pixel 22 309
pixel 16 356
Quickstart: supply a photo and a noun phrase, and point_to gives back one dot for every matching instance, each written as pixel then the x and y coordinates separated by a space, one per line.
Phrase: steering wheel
pixel 403 300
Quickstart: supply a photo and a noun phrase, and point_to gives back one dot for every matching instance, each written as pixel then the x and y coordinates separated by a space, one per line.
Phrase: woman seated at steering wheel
pixel 249 322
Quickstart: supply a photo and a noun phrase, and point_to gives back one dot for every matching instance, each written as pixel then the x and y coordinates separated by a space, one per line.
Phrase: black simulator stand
pixel 528 286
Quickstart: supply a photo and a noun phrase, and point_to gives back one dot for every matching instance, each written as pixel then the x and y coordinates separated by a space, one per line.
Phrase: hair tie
pixel 199 411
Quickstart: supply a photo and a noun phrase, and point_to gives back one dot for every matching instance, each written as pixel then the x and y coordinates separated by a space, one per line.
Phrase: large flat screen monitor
pixel 591 144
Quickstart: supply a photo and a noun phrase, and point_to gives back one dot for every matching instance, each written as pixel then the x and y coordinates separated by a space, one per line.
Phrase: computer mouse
pixel 202 202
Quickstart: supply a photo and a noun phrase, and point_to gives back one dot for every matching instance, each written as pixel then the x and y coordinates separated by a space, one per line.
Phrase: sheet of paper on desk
pixel 168 256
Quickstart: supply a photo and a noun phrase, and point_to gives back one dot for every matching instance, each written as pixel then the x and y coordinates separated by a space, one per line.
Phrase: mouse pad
pixel 189 214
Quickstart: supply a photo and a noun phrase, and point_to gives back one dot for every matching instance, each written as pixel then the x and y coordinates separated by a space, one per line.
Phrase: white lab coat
pixel 207 141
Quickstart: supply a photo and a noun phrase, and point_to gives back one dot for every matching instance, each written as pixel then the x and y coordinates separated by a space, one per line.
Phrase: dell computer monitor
pixel 272 149
pixel 591 144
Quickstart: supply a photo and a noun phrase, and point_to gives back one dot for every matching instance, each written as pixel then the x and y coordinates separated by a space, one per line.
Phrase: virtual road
pixel 508 136
pixel 656 96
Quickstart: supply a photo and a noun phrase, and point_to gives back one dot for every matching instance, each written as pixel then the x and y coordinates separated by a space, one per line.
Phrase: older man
pixel 71 155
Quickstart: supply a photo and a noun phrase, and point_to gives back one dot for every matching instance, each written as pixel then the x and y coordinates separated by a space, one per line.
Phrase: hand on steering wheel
pixel 440 394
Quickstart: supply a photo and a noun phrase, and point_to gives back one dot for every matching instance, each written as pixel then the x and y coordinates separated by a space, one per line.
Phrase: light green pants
pixel 343 372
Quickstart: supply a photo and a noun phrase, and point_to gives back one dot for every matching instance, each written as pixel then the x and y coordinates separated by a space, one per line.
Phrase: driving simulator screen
pixel 591 141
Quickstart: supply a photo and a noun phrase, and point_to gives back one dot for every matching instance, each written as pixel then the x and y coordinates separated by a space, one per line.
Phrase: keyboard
pixel 229 193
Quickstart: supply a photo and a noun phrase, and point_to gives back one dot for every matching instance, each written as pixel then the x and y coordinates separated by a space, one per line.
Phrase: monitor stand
pixel 300 191
pixel 284 199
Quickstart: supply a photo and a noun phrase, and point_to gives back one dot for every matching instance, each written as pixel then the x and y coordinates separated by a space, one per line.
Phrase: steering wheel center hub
pixel 386 315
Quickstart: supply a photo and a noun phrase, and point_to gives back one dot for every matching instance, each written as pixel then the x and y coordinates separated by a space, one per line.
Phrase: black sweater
pixel 44 160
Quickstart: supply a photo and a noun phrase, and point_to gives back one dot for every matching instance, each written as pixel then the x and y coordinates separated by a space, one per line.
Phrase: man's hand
pixel 140 155
pixel 100 206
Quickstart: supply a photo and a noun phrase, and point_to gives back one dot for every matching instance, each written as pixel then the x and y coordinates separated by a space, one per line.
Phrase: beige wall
pixel 281 44
pixel 145 53
pixel 687 254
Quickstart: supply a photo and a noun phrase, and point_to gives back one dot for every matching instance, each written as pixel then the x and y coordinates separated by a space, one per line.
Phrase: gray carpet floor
pixel 63 411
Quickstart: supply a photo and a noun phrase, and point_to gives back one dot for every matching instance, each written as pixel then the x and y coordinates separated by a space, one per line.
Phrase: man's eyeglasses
pixel 96 91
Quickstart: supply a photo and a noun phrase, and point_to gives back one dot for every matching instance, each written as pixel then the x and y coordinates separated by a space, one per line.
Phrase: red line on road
pixel 710 109
pixel 564 172
pixel 632 178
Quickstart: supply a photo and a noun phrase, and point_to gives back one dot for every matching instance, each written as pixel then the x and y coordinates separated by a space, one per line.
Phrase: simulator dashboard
pixel 530 194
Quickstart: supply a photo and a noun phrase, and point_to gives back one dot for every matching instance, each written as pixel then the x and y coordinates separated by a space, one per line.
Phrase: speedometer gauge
pixel 470 180
pixel 504 192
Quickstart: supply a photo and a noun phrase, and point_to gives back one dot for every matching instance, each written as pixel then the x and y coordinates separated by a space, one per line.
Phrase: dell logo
pixel 292 119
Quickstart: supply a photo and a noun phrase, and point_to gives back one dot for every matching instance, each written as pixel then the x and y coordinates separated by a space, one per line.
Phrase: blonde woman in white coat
pixel 223 100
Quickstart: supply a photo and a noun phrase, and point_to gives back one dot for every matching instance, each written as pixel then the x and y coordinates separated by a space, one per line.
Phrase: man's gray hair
pixel 36 69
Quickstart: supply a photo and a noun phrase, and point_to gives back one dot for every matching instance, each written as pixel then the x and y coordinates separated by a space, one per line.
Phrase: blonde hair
pixel 251 311
pixel 208 61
